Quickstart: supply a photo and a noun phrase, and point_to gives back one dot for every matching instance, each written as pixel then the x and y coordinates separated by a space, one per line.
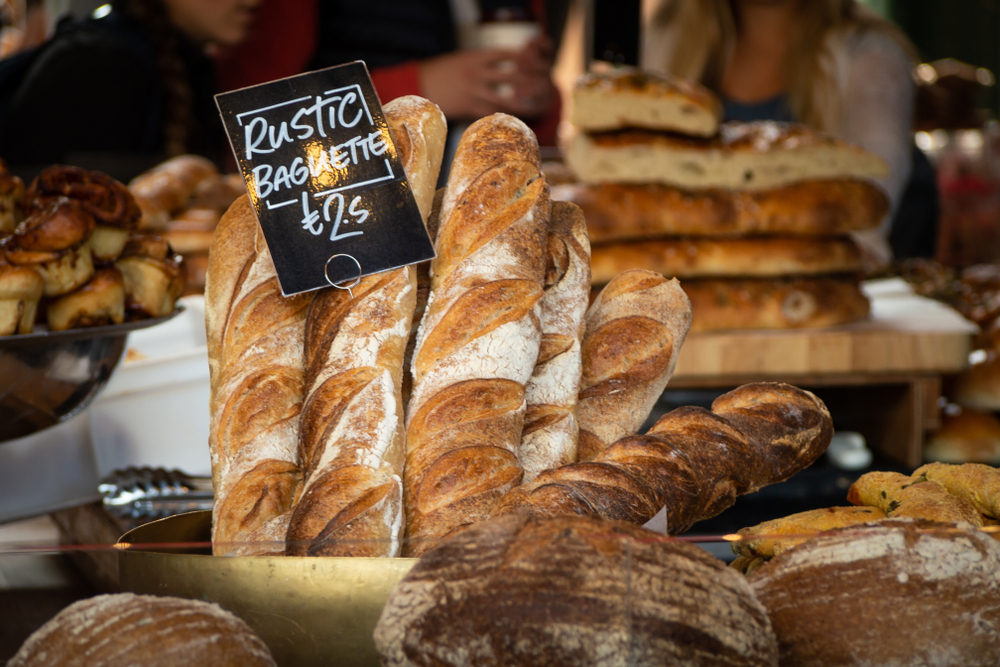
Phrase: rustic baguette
pixel 635 329
pixel 255 361
pixel 549 438
pixel 351 428
pixel 419 132
pixel 693 461
pixel 479 337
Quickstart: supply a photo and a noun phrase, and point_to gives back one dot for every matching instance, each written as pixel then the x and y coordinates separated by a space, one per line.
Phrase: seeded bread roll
pixel 918 497
pixel 903 592
pixel 124 630
pixel 524 591
pixel 551 424
pixel 478 341
pixel 635 329
pixel 744 156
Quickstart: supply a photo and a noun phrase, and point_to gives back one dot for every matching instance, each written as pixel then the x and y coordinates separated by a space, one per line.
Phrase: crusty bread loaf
pixel 551 427
pixel 419 132
pixel 623 211
pixel 693 461
pixel 525 591
pixel 479 338
pixel 775 303
pixel 978 386
pixel 977 483
pixel 255 361
pixel 744 156
pixel 903 592
pixel 626 97
pixel 770 538
pixel 123 630
pixel 635 329
pixel 702 257
pixel 900 496
pixel 971 436
pixel 351 428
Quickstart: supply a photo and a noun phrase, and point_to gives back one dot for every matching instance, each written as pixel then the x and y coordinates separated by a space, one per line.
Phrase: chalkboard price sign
pixel 324 177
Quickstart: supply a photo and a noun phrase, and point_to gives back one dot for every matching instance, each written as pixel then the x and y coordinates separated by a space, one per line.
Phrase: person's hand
pixel 473 83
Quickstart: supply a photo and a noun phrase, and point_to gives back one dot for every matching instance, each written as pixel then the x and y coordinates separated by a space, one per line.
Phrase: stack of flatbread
pixel 754 218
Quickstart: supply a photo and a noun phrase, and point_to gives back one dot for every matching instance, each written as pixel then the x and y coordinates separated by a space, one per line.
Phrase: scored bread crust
pixel 693 462
pixel 478 341
pixel 627 97
pixel 902 592
pixel 124 629
pixel 699 257
pixel 255 361
pixel 775 303
pixel 551 427
pixel 526 592
pixel 744 156
pixel 634 332
pixel 351 427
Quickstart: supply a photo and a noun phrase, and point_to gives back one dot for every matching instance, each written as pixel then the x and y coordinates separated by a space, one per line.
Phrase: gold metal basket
pixel 309 611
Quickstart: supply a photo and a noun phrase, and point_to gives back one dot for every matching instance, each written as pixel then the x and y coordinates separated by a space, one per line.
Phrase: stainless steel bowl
pixel 48 377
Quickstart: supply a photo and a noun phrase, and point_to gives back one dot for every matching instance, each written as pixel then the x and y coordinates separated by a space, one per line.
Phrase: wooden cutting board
pixel 906 333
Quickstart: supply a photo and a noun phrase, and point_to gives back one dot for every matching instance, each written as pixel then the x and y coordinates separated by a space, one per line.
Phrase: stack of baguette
pixel 754 217
pixel 378 422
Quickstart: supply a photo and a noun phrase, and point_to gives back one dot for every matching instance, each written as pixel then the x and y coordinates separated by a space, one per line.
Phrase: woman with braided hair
pixel 125 88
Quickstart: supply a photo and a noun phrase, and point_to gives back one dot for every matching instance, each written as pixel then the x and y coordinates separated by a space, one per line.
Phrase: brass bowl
pixel 309 611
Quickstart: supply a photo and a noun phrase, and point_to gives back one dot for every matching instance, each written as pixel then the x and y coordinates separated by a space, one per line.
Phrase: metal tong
pixel 153 493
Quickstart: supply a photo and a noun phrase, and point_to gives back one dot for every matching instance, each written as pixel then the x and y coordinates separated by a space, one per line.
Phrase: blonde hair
pixel 706 34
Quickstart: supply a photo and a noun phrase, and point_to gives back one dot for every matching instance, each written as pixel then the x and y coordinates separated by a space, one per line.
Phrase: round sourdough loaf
pixel 125 629
pixel 571 590
pixel 903 592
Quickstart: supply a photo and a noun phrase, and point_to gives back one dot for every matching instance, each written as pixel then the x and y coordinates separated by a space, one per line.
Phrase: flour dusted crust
pixel 744 156
pixel 711 257
pixel 792 303
pixel 124 630
pixel 551 425
pixel 629 98
pixel 520 591
pixel 903 592
pixel 623 211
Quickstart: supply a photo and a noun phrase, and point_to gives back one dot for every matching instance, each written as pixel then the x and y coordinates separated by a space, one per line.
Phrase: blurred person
pixel 830 64
pixel 418 47
pixel 124 89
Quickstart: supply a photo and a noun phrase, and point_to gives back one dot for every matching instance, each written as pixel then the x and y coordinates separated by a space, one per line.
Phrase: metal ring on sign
pixel 326 272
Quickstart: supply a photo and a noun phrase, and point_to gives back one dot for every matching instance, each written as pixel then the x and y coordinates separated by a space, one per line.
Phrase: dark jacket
pixel 93 97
